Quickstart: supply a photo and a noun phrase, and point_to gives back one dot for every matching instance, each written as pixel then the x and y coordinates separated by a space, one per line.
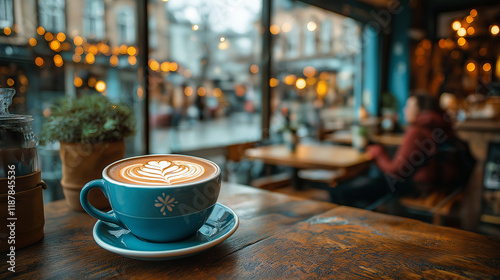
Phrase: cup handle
pixel 109 217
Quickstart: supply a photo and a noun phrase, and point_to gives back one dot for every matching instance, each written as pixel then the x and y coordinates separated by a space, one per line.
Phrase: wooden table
pixel 280 237
pixel 345 138
pixel 309 156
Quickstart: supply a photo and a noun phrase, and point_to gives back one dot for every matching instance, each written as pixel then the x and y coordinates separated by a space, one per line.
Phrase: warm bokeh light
pixel 55 45
pixel 254 69
pixel 494 29
pixel 58 61
pixel 48 36
pixel 273 82
pixel 187 73
pixel 77 58
pixel 131 50
pixel 300 83
pixel 188 91
pixel 311 81
pixel 132 60
pixel 470 30
pixel 92 81
pixel 78 82
pixel 103 48
pixel 322 88
pixel 311 26
pixel 7 31
pixel 426 44
pixel 456 25
pixel 154 65
pixel 90 58
pixel 217 92
pixel 201 91
pixel 32 42
pixel 10 82
pixel 39 62
pixel 79 50
pixel 442 43
pixel 461 41
pixel 324 75
pixel 61 36
pixel 286 27
pixel 93 49
pixel 486 67
pixel 78 40
pixel 290 79
pixel 40 30
pixel 113 60
pixel 222 39
pixel 223 45
pixel 140 92
pixel 483 51
pixel 469 19
pixel 123 49
pixel 47 112
pixel 461 31
pixel 164 66
pixel 471 66
pixel 24 80
pixel 473 12
pixel 195 27
pixel 173 66
pixel 100 86
pixel 275 29
pixel 309 71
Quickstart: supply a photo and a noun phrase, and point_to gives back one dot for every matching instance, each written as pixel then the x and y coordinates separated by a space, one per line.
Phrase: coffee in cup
pixel 159 198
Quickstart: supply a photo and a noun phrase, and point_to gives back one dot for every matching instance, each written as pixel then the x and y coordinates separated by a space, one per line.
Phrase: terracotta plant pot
pixel 82 163
pixel 28 210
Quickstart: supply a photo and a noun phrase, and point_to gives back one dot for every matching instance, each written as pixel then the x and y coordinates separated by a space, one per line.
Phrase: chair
pixel 234 159
pixel 438 204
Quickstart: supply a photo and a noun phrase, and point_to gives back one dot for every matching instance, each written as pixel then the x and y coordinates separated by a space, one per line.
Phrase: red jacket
pixel 414 158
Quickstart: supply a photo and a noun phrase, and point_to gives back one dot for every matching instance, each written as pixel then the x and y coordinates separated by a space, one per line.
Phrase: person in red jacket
pixel 415 169
pixel 415 160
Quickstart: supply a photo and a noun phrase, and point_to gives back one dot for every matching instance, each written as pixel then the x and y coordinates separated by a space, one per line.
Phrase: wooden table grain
pixel 309 156
pixel 280 237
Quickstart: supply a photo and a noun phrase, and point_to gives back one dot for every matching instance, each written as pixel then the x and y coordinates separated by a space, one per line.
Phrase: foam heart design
pixel 163 172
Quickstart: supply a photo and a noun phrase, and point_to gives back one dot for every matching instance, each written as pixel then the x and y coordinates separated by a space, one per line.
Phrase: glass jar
pixel 18 143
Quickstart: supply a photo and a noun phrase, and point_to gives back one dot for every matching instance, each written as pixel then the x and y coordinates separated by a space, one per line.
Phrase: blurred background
pixel 202 75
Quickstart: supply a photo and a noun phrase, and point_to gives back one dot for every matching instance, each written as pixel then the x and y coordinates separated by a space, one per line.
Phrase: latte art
pixel 164 172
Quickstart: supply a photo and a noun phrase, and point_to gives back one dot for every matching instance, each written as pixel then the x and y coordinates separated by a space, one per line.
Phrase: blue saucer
pixel 221 224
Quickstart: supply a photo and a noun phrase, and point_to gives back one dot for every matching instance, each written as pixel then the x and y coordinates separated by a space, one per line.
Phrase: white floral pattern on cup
pixel 165 202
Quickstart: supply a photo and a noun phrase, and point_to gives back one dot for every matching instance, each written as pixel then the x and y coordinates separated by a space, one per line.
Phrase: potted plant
pixel 91 132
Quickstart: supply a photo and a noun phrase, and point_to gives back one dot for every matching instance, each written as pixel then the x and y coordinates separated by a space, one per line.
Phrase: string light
pixel 275 29
pixel 131 50
pixel 7 31
pixel 309 71
pixel 173 66
pixel 311 26
pixel 494 29
pixel 300 83
pixel 61 36
pixel 273 82
pixel 78 82
pixel 469 19
pixel 100 86
pixel 195 27
pixel 188 91
pixel 77 58
pixel 456 25
pixel 473 12
pixel 461 31
pixel 286 27
pixel 201 91
pixel 486 67
pixel 58 61
pixel 90 58
pixel 113 60
pixel 461 41
pixel 471 66
pixel 78 40
pixel 40 30
pixel 470 30
pixel 10 82
pixel 254 69
pixel 33 42
pixel 48 36
pixel 39 62
pixel 132 60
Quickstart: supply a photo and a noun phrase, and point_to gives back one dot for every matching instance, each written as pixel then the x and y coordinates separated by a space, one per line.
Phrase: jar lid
pixel 6 95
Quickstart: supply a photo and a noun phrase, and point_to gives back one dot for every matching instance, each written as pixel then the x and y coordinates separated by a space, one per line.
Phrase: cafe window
pixel 204 88
pixel 126 24
pixel 52 15
pixel 94 19
pixel 317 79
pixel 6 13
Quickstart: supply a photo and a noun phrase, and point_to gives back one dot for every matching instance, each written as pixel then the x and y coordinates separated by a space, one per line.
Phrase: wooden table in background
pixel 309 156
pixel 280 237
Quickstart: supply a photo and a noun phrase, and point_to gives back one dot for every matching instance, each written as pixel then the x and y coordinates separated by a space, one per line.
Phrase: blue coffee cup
pixel 160 213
